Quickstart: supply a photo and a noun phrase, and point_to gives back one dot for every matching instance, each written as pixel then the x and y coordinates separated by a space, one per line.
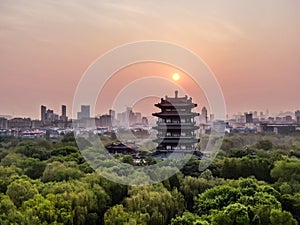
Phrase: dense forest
pixel 255 179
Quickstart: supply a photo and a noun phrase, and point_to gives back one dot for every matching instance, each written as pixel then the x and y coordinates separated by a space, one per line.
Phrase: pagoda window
pixel 168 120
pixel 169 147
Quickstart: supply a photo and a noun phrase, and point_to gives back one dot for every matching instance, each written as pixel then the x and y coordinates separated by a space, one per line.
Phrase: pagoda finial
pixel 176 94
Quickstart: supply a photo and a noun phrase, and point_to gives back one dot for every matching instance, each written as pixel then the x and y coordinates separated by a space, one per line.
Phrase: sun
pixel 175 76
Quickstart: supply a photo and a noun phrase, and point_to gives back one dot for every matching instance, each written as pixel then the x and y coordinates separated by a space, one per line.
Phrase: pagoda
pixel 176 126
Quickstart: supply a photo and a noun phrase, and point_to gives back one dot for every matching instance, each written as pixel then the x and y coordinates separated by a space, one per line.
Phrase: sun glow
pixel 175 76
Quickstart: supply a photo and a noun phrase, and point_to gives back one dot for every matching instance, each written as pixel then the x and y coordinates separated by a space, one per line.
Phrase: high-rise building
pixel 43 113
pixel 176 125
pixel 297 116
pixel 204 114
pixel 3 123
pixel 84 113
pixel 145 121
pixel 112 113
pixel 138 116
pixel 249 117
pixel 255 114
pixel 85 110
pixel 63 113
pixel 261 114
pixel 105 121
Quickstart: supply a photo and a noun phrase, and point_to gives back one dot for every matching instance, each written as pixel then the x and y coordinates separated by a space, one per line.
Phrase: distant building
pixel 249 117
pixel 19 123
pixel 297 116
pixel 120 148
pixel 255 114
pixel 105 121
pixel 84 113
pixel 63 116
pixel 279 128
pixel 138 116
pixel 112 114
pixel 145 122
pixel 3 123
pixel 36 124
pixel 261 115
pixel 288 119
pixel 51 116
pixel 203 115
pixel 212 117
pixel 43 113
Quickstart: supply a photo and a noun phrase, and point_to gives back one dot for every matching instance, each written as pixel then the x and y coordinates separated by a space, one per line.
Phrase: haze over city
pixel 251 46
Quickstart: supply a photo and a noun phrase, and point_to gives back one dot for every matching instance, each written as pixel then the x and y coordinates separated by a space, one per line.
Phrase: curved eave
pixel 175 105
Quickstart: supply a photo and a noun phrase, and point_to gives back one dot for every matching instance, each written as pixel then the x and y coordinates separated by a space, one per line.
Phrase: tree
pixel 33 168
pixel 7 175
pixel 227 144
pixel 57 171
pixel 264 144
pixel 291 203
pixel 118 216
pixel 88 199
pixel 188 219
pixel 20 191
pixel 50 210
pixel 233 214
pixel 278 217
pixel 9 215
pixel 155 200
pixel 216 198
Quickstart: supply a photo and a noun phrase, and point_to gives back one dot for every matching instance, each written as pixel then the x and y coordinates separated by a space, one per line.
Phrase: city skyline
pixel 46 113
pixel 252 47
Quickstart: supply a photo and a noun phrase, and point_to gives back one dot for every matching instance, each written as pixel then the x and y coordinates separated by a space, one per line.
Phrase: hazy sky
pixel 252 46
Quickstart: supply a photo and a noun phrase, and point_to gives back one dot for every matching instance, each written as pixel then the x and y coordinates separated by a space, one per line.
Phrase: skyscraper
pixel 63 110
pixel 112 113
pixel 43 113
pixel 297 115
pixel 249 117
pixel 63 113
pixel 204 114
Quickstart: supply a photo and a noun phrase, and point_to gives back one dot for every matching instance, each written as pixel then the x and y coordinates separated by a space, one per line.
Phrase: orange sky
pixel 252 47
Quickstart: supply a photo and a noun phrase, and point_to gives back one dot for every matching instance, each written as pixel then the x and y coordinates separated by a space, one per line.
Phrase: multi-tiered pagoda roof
pixel 176 125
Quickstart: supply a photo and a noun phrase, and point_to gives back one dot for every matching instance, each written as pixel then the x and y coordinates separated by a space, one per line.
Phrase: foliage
pixel 255 181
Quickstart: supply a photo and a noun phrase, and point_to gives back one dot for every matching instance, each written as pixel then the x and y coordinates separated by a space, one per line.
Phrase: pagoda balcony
pixel 178 127
pixel 176 150
pixel 177 123
pixel 175 114
pixel 177 140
